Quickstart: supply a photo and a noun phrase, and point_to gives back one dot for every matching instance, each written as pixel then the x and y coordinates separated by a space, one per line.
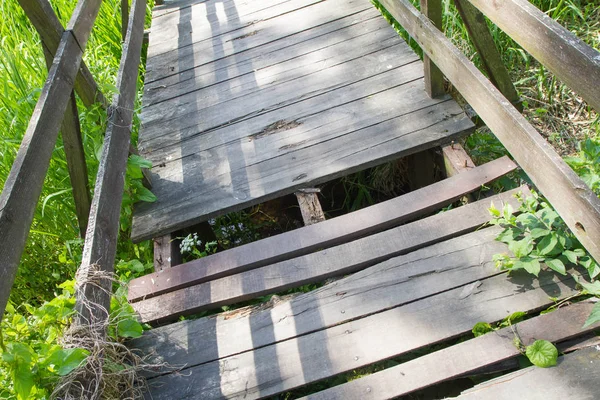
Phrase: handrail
pixel 562 52
pixel 572 199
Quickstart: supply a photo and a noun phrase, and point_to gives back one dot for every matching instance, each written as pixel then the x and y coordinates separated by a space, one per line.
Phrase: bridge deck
pixel 249 100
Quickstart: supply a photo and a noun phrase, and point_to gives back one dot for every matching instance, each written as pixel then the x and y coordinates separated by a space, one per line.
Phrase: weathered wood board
pixel 465 358
pixel 575 377
pixel 283 366
pixel 252 100
pixel 318 266
pixel 302 241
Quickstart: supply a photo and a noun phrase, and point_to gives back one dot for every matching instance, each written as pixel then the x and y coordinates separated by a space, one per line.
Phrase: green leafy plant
pixel 191 247
pixel 587 163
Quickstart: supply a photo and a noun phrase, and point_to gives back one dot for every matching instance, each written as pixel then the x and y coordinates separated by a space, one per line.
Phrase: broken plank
pixel 400 280
pixel 274 369
pixel 464 358
pixel 315 267
pixel 338 230
pixel 456 159
pixel 310 206
pixel 575 377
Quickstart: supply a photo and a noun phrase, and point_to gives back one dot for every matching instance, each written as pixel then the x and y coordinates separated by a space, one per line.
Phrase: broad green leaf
pixel 521 248
pixel 547 244
pixel 571 256
pixel 513 318
pixel 507 235
pixel 494 211
pixel 129 328
pixel 139 161
pixel 556 265
pixel 542 353
pixel 539 232
pixel 531 265
pixel 23 380
pixel 507 211
pixel 591 266
pixel 146 195
pixel 481 328
pixel 21 352
pixel 66 360
pixel 594 316
pixel 591 288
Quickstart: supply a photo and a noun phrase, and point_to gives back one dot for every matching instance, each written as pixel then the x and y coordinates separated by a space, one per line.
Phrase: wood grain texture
pixel 273 369
pixel 310 206
pixel 434 79
pixel 166 253
pixel 400 280
pixel 573 200
pixel 103 229
pixel 24 183
pixel 328 233
pixel 82 20
pixel 45 21
pixel 480 35
pixel 574 377
pixel 465 358
pixel 568 57
pixel 456 159
pixel 318 266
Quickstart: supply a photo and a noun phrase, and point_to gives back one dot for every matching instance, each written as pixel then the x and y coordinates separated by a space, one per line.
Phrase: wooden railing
pixel 56 110
pixel 573 61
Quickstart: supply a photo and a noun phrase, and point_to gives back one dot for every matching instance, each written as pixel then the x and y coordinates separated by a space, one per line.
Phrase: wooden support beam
pixel 75 155
pixel 480 35
pixel 421 169
pixel 166 252
pixel 456 159
pixel 310 206
pixel 124 17
pixel 434 79
pixel 45 21
pixel 572 60
pixel 569 195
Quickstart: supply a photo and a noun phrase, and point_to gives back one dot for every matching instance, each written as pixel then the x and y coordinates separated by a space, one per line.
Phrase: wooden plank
pixel 267 50
pixel 316 267
pixel 124 17
pixel 45 21
pixel 82 20
pixel 328 233
pixel 434 79
pixel 574 377
pixel 103 230
pixel 568 57
pixel 421 169
pixel 24 182
pixel 464 358
pixel 223 103
pixel 273 369
pixel 166 253
pixel 456 159
pixel 310 206
pixel 228 186
pixel 480 35
pixel 400 280
pixel 75 155
pixel 573 200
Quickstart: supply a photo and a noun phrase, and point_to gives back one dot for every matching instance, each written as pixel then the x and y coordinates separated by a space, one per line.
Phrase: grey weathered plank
pixel 434 79
pixel 573 200
pixel 318 266
pixel 82 20
pixel 465 358
pixel 338 230
pixel 480 35
pixel 269 35
pixel 310 206
pixel 570 58
pixel 45 21
pixel 172 120
pixel 191 99
pixel 292 363
pixel 218 192
pixel 456 159
pixel 255 59
pixel 398 281
pixel 103 229
pixel 24 183
pixel 345 99
pixel 124 17
pixel 574 377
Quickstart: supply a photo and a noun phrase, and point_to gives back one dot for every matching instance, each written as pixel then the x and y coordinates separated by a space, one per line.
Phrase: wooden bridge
pixel 246 101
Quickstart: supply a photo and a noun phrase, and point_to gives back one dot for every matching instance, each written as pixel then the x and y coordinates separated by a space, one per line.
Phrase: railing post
pixel 124 17
pixel 434 79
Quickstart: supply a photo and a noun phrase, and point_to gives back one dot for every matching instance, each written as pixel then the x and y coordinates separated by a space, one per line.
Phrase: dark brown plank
pixel 400 280
pixel 434 79
pixel 480 35
pixel 166 253
pixel 304 240
pixel 273 369
pixel 575 377
pixel 465 358
pixel 103 230
pixel 573 200
pixel 316 267
pixel 570 58
pixel 45 21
